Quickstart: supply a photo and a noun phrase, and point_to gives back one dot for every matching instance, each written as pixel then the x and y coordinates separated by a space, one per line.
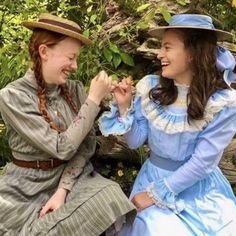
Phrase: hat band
pixel 60 24
pixel 192 20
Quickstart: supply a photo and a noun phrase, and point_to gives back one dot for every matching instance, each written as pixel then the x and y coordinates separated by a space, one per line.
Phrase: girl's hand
pixel 142 201
pixel 55 202
pixel 100 86
pixel 123 94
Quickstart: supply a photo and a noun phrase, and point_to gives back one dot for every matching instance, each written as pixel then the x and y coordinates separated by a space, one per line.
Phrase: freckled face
pixel 175 59
pixel 60 60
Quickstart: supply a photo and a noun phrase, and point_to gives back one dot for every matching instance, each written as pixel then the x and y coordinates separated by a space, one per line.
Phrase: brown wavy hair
pixel 49 38
pixel 207 79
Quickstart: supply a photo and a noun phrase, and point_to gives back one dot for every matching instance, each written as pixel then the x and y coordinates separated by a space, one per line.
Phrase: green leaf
pixel 127 59
pixel 143 7
pixel 93 19
pixel 86 33
pixel 90 9
pixel 114 77
pixel 116 60
pixel 114 48
pixel 182 2
pixel 142 25
pixel 166 14
pixel 107 54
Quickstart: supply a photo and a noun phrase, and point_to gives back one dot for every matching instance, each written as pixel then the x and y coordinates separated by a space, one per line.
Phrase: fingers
pixel 44 210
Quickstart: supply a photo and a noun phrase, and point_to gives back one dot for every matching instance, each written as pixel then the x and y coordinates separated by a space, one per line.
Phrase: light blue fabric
pixel 192 20
pixel 198 199
pixel 226 63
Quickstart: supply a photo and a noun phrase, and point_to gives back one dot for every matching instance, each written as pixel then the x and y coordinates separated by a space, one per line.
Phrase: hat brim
pixel 221 34
pixel 33 25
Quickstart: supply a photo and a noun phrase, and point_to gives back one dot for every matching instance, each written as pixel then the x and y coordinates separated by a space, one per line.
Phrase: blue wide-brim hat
pixel 192 21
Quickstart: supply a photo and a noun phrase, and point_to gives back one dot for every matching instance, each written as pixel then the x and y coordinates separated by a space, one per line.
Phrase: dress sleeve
pixel 20 111
pixel 77 163
pixel 133 125
pixel 209 148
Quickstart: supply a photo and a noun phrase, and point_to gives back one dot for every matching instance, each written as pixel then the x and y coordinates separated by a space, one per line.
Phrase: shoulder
pixel 146 83
pixel 26 84
pixel 222 98
pixel 21 91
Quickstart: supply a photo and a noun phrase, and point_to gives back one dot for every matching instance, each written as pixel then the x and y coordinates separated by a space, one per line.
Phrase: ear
pixel 43 52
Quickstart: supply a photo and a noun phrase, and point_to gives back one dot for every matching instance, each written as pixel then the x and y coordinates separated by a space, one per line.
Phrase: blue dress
pixel 193 198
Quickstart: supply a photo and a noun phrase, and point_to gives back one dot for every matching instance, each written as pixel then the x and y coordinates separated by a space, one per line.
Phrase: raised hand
pixel 100 86
pixel 123 94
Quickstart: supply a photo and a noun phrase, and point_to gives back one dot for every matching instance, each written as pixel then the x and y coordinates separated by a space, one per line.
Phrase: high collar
pixel 52 90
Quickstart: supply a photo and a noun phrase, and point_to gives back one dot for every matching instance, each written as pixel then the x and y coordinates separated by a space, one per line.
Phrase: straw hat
pixel 191 21
pixel 59 25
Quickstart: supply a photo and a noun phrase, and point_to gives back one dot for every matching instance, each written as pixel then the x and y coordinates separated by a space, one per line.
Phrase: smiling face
pixel 59 60
pixel 174 57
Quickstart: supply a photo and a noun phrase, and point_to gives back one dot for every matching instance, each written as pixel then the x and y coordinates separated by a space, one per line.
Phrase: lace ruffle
pixel 173 123
pixel 163 198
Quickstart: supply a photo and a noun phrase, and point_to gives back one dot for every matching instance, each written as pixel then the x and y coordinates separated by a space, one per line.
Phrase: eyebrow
pixel 166 44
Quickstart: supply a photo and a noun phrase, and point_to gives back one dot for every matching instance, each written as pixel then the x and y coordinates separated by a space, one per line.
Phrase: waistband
pixel 41 165
pixel 164 163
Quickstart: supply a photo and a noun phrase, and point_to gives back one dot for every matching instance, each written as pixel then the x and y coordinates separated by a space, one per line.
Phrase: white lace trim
pixel 167 123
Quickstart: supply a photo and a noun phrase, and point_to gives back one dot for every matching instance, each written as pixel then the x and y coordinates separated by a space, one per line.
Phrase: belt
pixel 41 165
pixel 164 163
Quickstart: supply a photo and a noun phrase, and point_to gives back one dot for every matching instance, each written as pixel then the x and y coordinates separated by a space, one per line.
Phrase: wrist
pixel 62 191
pixel 122 110
pixel 94 99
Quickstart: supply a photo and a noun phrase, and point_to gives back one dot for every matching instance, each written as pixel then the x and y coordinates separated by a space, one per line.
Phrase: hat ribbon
pixel 191 20
pixel 226 63
pixel 61 24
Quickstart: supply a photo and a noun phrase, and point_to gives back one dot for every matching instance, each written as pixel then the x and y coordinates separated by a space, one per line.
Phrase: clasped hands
pixel 102 84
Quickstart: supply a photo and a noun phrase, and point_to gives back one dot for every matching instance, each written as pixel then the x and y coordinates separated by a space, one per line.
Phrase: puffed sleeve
pixel 20 111
pixel 133 124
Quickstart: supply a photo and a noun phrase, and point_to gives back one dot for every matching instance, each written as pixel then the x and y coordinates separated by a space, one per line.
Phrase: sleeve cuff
pixel 164 198
pixel 111 123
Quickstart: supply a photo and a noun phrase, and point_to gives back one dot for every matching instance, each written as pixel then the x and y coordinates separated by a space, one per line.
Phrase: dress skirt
pixel 209 208
pixel 92 206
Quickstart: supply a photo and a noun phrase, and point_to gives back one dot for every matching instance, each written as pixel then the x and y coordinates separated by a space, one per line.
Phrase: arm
pixel 20 111
pixel 76 165
pixel 131 122
pixel 72 171
pixel 208 151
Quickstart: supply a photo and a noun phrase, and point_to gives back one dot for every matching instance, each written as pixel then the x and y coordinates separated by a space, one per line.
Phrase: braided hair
pixel 49 38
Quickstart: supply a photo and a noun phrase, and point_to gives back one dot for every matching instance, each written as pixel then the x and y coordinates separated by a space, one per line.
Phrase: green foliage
pixel 183 2
pixel 122 174
pixel 132 7
pixel 223 11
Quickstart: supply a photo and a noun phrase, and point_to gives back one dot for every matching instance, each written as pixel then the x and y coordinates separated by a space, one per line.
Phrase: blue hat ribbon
pixel 192 20
pixel 226 63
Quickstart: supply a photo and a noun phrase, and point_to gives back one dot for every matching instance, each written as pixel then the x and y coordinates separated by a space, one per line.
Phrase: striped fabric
pixel 93 203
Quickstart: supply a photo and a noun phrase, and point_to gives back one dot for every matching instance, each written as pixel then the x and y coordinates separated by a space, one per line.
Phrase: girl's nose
pixel 159 54
pixel 74 65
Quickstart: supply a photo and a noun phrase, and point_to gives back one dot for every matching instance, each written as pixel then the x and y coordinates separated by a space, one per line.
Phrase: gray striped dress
pixel 93 203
